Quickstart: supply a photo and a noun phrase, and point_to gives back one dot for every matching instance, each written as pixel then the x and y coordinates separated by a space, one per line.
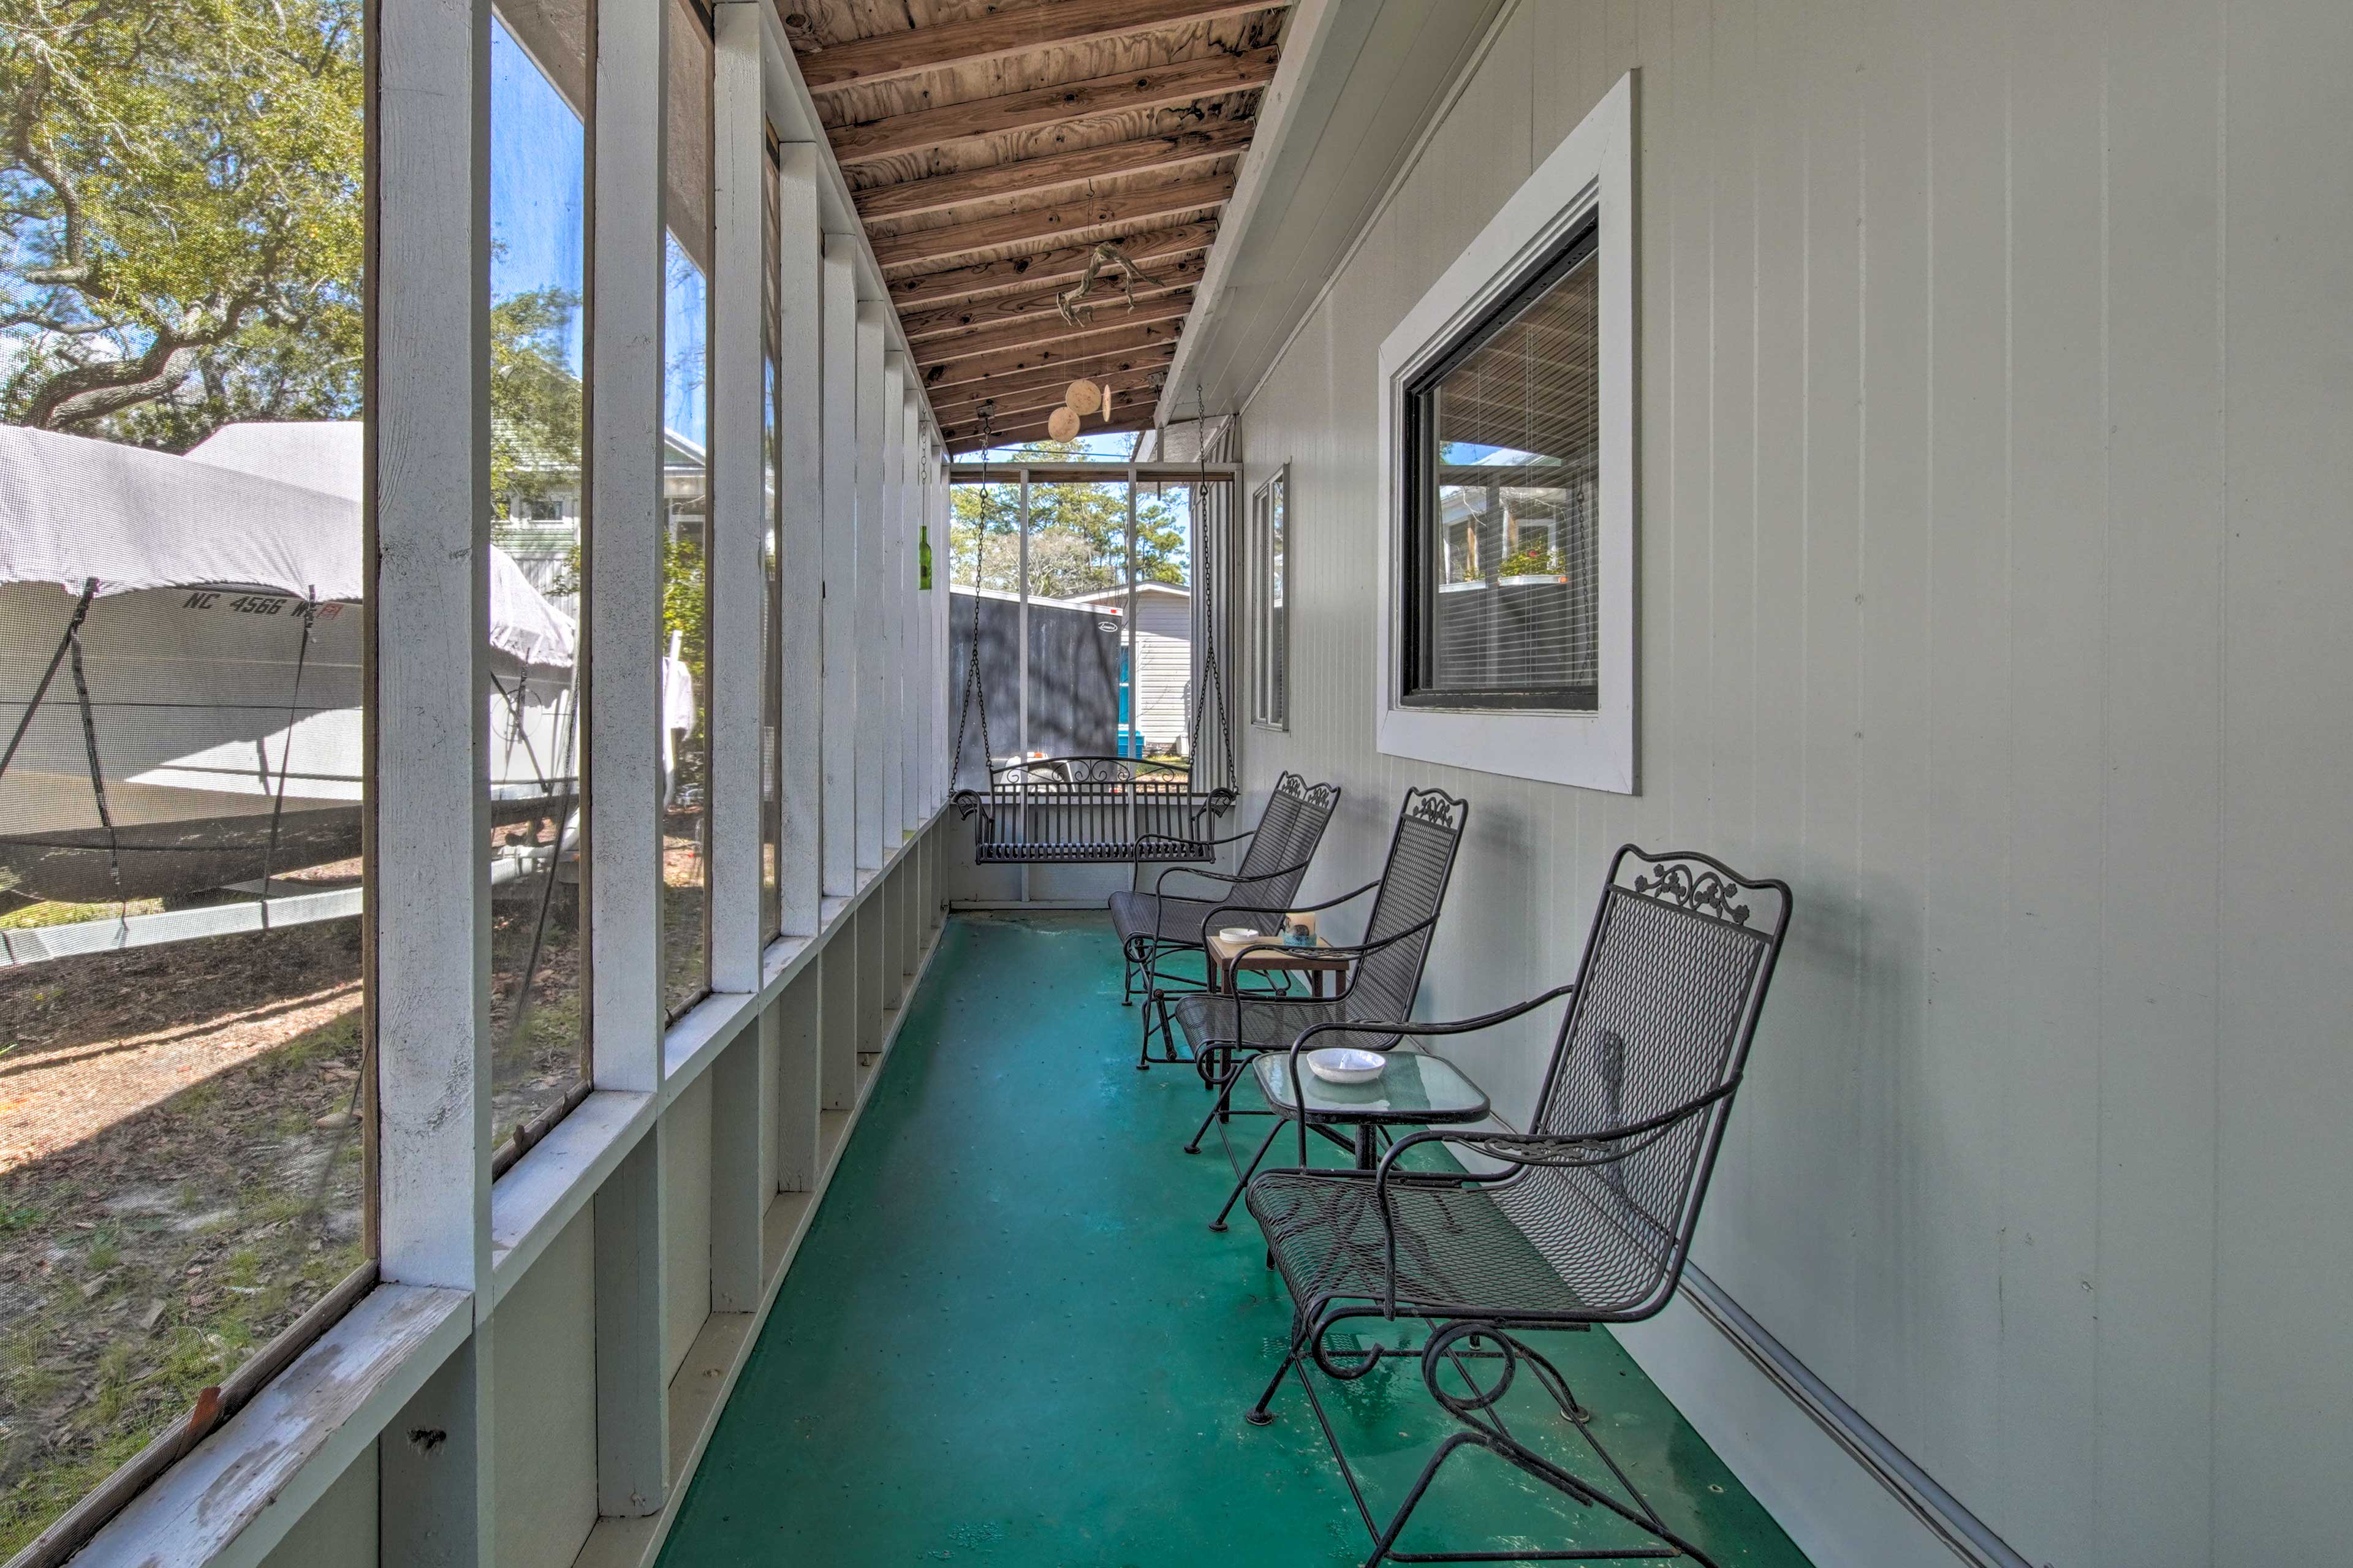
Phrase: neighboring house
pixel 1164 663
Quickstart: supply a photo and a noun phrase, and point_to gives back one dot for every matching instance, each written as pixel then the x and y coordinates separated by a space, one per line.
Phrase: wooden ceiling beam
pixel 1170 276
pixel 1005 34
pixel 1010 406
pixel 1058 171
pixel 1062 352
pixel 1021 383
pixel 969 438
pixel 1153 86
pixel 1109 311
pixel 1048 227
pixel 1049 266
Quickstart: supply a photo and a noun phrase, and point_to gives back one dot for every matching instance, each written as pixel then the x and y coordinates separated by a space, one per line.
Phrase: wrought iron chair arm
pixel 1517 1149
pixel 1295 908
pixel 1300 1048
pixel 1160 884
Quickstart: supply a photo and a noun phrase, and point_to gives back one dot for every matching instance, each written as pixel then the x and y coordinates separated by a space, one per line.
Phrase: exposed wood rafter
pixel 1041 401
pixel 1104 312
pixel 1046 267
pixel 1048 227
pixel 1020 383
pixel 1182 272
pixel 1155 87
pixel 1058 171
pixel 1004 33
pixel 1062 352
pixel 968 438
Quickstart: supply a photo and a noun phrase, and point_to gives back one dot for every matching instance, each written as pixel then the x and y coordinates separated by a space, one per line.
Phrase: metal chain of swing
pixel 1212 674
pixel 976 694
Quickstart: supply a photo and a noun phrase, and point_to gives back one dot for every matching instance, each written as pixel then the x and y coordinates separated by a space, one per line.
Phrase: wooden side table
pixel 1262 953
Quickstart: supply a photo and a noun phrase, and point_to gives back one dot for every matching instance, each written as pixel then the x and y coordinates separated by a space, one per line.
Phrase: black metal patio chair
pixel 1160 922
pixel 1226 1031
pixel 1588 1218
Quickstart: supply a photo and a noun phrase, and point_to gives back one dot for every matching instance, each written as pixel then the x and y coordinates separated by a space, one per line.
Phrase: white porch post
pixel 734 579
pixel 427 482
pixel 621 868
pixel 889 602
pixel 801 506
pixel 872 716
pixel 839 308
pixel 912 710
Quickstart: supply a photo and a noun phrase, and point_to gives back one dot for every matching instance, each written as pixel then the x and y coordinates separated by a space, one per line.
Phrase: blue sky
pixel 538 208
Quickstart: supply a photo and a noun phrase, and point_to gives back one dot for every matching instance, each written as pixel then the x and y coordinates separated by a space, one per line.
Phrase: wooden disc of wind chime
pixel 1079 399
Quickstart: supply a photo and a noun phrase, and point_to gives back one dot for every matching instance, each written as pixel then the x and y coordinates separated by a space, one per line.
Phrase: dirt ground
pixel 180 1170
pixel 182 1178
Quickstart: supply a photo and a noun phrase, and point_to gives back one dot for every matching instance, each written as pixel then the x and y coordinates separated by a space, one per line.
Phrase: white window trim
pixel 1592 170
pixel 1260 535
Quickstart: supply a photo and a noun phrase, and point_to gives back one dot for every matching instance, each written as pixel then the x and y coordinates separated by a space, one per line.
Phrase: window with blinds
pixel 1503 440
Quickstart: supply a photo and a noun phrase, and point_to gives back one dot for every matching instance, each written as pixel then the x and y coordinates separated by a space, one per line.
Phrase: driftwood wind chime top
pixel 1041 183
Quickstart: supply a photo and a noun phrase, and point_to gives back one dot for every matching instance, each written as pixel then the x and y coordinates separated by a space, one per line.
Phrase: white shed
pixel 1163 635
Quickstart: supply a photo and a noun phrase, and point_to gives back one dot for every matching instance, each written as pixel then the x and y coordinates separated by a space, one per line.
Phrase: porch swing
pixel 1093 810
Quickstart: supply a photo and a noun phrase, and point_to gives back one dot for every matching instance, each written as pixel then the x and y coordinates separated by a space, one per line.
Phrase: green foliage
pixel 535 400
pixel 1530 561
pixel 183 189
pixel 1078 532
pixel 683 608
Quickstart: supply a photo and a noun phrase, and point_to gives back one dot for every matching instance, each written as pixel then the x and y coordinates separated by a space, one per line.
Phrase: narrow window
pixel 1270 626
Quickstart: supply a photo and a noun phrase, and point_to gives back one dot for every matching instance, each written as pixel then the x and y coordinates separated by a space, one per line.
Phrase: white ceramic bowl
pixel 1237 933
pixel 1345 1064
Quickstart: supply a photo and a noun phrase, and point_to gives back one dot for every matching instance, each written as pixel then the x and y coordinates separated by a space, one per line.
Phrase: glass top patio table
pixel 1423 1090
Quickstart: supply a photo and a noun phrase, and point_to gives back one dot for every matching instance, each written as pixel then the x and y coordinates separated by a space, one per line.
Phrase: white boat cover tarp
pixel 72 508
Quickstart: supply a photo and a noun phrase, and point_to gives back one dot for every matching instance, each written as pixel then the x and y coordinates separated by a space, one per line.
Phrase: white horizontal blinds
pixel 1511 547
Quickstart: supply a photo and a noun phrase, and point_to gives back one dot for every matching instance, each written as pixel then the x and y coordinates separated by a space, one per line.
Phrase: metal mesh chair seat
pixel 1159 917
pixel 1152 924
pixel 1590 1218
pixel 1264 1023
pixel 1460 1250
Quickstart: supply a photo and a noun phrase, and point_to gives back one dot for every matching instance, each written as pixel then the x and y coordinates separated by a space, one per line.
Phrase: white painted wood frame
pixel 1590 174
pixel 621 869
pixel 407 1385
pixel 428 990
pixel 866 614
pixel 427 997
pixel 838 305
pixel 800 445
pixel 734 578
pixel 914 714
pixel 889 602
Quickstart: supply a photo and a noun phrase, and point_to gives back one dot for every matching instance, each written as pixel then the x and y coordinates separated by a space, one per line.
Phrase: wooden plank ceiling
pixel 992 145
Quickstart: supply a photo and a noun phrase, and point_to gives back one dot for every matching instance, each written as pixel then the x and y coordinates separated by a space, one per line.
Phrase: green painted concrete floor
pixel 1010 1337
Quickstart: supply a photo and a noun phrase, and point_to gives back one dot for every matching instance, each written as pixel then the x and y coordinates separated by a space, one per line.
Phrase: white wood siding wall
pixel 1993 375
pixel 1163 662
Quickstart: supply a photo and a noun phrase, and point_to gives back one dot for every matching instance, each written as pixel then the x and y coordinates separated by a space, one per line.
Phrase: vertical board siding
pixel 1993 565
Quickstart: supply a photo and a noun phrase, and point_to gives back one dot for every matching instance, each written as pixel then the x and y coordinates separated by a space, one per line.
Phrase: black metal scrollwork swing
pixel 1082 810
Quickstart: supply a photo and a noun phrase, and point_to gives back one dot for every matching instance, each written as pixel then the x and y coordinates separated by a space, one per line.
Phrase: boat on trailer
pixel 181 666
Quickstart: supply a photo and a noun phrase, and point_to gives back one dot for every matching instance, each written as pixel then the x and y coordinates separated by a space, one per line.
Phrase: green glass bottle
pixel 923 556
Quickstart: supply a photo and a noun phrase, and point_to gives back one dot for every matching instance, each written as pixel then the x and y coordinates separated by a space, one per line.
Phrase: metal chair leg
pixel 1242 1185
pixel 1260 1416
pixel 1219 1112
pixel 1387 1541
